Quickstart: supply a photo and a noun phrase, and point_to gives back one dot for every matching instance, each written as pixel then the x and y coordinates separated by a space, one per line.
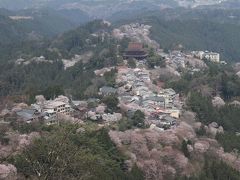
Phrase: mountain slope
pixel 37 23
pixel 26 30
pixel 199 35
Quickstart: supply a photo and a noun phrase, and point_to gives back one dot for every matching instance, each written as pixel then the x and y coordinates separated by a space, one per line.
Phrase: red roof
pixel 135 46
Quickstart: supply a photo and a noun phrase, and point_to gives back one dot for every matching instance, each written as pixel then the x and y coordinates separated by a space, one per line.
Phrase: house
pixel 93 100
pixel 91 115
pixel 142 90
pixel 112 117
pixel 175 113
pixel 29 115
pixel 169 95
pixel 129 99
pixel 154 101
pixel 107 91
pixel 198 54
pixel 135 50
pixel 166 122
pixel 170 120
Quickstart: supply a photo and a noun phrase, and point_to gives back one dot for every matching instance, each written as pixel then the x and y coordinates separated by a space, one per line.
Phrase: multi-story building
pixel 54 107
pixel 214 57
pixel 211 56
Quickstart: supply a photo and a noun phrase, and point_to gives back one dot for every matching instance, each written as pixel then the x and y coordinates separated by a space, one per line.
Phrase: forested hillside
pixel 121 98
pixel 31 36
pixel 199 35
pixel 50 78
pixel 41 22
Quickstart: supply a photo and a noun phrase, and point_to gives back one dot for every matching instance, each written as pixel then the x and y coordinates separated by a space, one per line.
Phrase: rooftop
pixel 132 46
pixel 54 104
pixel 106 89
pixel 27 114
pixel 155 98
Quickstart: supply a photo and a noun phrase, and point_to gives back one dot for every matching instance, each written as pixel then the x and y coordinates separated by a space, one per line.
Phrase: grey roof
pixel 155 98
pixel 169 119
pixel 108 90
pixel 26 113
pixel 90 100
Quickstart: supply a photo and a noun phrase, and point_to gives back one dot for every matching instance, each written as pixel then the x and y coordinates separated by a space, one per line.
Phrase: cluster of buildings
pixel 136 92
pixel 177 59
pixel 182 60
pixel 52 111
pixel 93 110
pixel 47 111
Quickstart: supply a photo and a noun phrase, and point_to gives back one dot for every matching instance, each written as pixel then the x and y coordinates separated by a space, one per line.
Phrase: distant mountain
pixel 230 4
pixel 197 3
pixel 44 22
pixel 105 8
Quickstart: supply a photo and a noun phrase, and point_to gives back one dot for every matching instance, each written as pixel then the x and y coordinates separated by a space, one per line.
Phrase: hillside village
pixel 134 86
pixel 136 92
pixel 161 106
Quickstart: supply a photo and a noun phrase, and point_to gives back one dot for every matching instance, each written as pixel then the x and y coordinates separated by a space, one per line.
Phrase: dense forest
pixel 215 170
pixel 200 88
pixel 50 78
pixel 198 35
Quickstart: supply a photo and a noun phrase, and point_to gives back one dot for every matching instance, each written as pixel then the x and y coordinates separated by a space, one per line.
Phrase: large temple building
pixel 135 50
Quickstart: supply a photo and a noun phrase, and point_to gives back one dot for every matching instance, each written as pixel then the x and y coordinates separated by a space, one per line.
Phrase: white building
pixel 211 56
pixel 214 57
pixel 54 107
